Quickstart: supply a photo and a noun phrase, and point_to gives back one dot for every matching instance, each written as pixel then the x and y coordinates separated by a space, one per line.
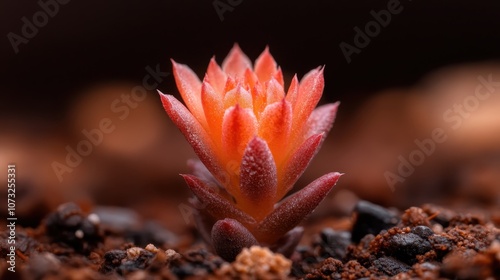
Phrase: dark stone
pixel 422 231
pixel 333 243
pixel 112 260
pixel 152 233
pixel 69 225
pixel 118 219
pixel 390 266
pixel 196 262
pixel 406 247
pixel 118 261
pixel 139 263
pixel 442 245
pixel 371 219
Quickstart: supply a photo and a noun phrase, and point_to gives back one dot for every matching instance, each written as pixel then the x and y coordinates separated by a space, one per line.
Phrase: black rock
pixel 112 260
pixel 333 243
pixel 154 233
pixel 371 219
pixel 196 262
pixel 390 266
pixel 406 247
pixel 441 245
pixel 422 231
pixel 71 226
pixel 120 262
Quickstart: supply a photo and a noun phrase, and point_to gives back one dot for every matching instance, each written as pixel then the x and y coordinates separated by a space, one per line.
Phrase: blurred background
pixel 401 69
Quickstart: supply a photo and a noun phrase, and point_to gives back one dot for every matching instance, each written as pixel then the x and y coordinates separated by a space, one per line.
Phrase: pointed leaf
pixel 238 127
pixel 213 108
pixel 201 172
pixel 321 119
pixel 275 125
pixel 279 77
pixel 259 99
pixel 236 62
pixel 189 86
pixel 238 96
pixel 229 237
pixel 310 91
pixel 215 204
pixel 250 78
pixel 194 134
pixel 274 91
pixel 298 162
pixel 294 209
pixel 258 179
pixel 265 66
pixel 293 91
pixel 216 77
pixel 230 84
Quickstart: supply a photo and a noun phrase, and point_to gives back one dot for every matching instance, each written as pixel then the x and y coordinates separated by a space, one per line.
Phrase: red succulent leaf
pixel 216 77
pixel 258 178
pixel 294 209
pixel 215 204
pixel 213 107
pixel 201 172
pixel 229 237
pixel 321 119
pixel 238 127
pixel 194 133
pixel 293 91
pixel 310 91
pixel 298 163
pixel 279 77
pixel 239 96
pixel 275 125
pixel 265 66
pixel 189 86
pixel 274 91
pixel 259 99
pixel 236 62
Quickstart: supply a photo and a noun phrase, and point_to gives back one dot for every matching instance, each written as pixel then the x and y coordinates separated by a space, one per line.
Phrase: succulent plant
pixel 254 142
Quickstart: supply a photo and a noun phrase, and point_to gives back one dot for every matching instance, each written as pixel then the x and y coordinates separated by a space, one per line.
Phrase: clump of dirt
pixel 427 242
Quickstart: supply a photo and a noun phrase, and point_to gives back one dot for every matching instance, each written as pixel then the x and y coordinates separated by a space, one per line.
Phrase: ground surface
pixel 429 242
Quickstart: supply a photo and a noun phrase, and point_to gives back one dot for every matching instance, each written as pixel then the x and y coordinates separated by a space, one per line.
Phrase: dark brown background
pixel 94 41
pixel 65 78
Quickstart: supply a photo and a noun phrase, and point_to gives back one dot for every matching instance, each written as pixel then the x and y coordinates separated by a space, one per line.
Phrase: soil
pixel 427 242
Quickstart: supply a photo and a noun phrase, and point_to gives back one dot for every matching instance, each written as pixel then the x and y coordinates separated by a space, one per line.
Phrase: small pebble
pixel 406 247
pixel 371 219
pixel 390 266
pixel 422 231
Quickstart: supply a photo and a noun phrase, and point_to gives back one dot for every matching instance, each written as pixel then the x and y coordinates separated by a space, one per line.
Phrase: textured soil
pixel 427 242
